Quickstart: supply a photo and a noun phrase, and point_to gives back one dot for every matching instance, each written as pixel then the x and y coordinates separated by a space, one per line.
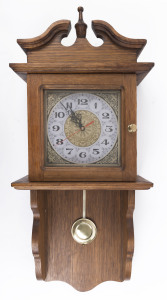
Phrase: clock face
pixel 81 128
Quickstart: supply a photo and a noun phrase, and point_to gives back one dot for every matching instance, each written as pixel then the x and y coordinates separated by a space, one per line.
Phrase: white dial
pixel 82 128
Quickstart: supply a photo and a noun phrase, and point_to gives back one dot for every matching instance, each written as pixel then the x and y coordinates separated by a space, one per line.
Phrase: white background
pixel 132 18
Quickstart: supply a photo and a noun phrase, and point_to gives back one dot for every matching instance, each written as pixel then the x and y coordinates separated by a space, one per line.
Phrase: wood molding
pixel 102 28
pixel 61 28
pixel 140 69
pixel 24 184
pixel 46 54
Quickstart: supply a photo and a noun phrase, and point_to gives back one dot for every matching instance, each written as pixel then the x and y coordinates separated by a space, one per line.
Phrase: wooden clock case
pixel 56 192
pixel 38 82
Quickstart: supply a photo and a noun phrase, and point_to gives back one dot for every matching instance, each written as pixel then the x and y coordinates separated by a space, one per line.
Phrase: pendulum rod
pixel 84 204
pixel 83 230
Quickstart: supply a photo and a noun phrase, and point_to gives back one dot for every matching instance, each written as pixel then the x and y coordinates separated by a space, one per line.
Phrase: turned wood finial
pixel 80 25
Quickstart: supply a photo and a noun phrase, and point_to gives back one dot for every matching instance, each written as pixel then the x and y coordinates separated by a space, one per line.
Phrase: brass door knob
pixel 132 128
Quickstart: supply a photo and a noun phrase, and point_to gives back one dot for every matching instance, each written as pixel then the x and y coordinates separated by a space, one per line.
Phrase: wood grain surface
pixel 39 233
pixel 37 169
pixel 111 65
pixel 140 69
pixel 108 257
pixel 24 184
pixel 56 192
pixel 46 54
pixel 122 48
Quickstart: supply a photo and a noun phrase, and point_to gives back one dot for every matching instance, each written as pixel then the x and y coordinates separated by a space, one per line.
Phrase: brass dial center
pixel 86 135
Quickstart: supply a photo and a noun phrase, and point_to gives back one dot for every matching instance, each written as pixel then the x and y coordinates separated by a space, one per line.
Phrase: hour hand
pixel 75 117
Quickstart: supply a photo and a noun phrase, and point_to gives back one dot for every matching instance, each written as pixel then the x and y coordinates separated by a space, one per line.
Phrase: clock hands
pixel 75 117
pixel 89 123
pixel 79 130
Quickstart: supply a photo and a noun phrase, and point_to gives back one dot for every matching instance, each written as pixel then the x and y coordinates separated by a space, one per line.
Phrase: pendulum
pixel 84 230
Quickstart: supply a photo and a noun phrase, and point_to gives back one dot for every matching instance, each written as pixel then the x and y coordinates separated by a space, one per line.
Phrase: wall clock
pixel 82 152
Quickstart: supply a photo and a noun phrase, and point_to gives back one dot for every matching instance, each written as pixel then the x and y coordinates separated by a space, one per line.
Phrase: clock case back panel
pixel 37 168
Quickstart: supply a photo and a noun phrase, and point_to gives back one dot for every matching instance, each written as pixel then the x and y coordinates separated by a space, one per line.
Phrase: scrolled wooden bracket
pixel 38 206
pixel 130 234
pixel 103 29
pixel 60 28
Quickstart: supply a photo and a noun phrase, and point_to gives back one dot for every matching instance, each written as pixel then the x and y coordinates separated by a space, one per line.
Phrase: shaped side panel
pixel 39 232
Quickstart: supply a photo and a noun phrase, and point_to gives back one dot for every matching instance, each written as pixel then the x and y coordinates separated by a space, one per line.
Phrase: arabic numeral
pixel 55 127
pixel 105 115
pixel 82 154
pixel 60 114
pixel 82 102
pixel 105 142
pixel 95 105
pixel 96 151
pixel 59 142
pixel 109 128
pixel 70 150
pixel 69 105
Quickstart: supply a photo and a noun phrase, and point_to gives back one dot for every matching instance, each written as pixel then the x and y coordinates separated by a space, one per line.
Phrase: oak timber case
pixel 81 66
pixel 57 200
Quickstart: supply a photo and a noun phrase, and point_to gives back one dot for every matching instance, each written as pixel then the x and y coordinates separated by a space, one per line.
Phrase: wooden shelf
pixel 24 184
